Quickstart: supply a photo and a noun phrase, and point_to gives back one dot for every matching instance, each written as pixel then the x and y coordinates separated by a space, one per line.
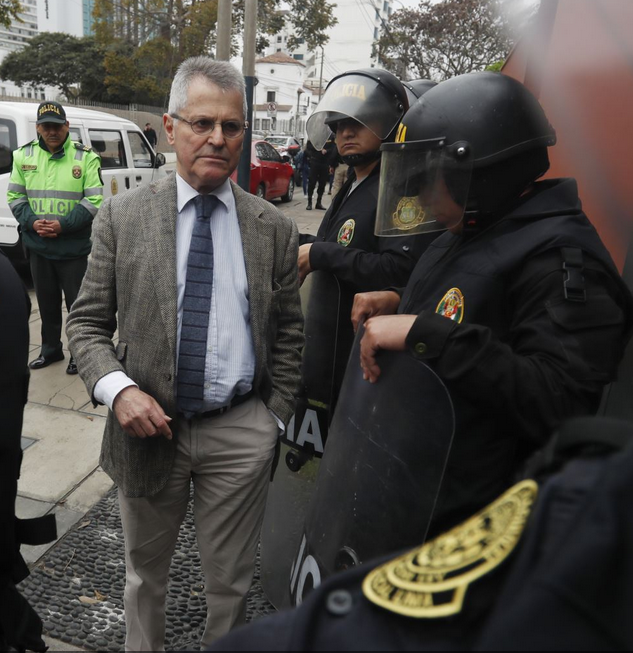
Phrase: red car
pixel 271 175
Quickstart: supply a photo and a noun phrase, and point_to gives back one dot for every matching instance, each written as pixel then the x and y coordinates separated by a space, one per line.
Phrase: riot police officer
pixel 518 306
pixel 363 108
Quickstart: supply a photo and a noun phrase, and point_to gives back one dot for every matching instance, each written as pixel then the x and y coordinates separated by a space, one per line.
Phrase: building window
pixel 375 33
pixel 385 7
pixel 270 96
pixel 279 39
pixel 301 40
pixel 298 57
pixel 377 15
pixel 278 49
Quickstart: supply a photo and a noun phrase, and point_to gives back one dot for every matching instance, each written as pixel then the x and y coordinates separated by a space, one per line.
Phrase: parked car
pixel 272 175
pixel 284 144
pixel 127 159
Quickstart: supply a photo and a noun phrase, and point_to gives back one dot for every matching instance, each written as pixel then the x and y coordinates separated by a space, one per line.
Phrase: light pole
pixel 299 94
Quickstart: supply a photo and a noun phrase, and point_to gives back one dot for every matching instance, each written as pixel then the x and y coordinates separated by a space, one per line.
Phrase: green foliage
pixel 311 20
pixel 443 39
pixel 495 67
pixel 56 59
pixel 9 10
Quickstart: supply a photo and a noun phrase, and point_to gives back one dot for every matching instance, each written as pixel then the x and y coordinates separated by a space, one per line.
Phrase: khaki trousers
pixel 228 457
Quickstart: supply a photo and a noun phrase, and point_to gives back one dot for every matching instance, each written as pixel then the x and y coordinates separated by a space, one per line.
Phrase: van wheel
pixel 261 191
pixel 291 191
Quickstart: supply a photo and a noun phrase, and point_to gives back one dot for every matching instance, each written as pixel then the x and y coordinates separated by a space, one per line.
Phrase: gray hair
pixel 221 73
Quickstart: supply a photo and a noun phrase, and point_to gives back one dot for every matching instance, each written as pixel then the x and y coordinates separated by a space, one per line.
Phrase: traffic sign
pixel 272 109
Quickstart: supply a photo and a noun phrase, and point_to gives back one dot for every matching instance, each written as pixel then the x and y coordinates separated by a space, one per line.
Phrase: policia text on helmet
pixel 369 101
pixel 465 152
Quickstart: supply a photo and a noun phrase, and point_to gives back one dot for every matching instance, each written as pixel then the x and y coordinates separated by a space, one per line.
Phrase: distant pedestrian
pixel 150 135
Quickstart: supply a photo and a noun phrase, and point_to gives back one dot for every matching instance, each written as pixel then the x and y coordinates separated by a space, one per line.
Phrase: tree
pixel 9 11
pixel 311 20
pixel 58 59
pixel 443 39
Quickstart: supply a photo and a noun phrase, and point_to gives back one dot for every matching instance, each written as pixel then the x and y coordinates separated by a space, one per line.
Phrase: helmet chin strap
pixel 354 160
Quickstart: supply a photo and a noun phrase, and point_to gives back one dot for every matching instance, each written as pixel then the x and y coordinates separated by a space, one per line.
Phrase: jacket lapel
pixel 161 241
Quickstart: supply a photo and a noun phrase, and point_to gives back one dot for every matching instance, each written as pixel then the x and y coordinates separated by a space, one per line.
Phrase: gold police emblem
pixel 77 172
pixel 431 581
pixel 408 214
pixel 346 233
pixel 452 305
pixel 114 186
pixel 27 167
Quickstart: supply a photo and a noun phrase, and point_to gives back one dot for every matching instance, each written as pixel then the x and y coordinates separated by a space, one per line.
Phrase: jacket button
pixel 169 377
pixel 420 348
pixel 339 603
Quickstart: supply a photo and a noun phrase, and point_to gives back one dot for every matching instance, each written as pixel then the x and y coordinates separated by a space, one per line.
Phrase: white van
pixel 127 159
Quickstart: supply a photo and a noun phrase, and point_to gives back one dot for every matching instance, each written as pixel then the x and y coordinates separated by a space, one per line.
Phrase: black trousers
pixel 318 174
pixel 50 278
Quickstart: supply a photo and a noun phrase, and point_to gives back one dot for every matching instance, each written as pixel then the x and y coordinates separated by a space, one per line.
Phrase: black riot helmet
pixel 371 96
pixel 472 144
pixel 416 88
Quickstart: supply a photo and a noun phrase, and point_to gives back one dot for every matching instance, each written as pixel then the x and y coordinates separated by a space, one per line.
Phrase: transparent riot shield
pixel 329 337
pixel 381 472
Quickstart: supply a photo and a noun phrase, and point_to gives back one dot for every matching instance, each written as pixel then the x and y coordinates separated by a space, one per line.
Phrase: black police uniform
pixel 20 626
pixel 319 170
pixel 565 585
pixel 346 246
pixel 544 320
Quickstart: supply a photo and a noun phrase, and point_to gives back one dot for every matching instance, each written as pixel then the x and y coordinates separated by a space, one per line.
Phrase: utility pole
pixel 296 131
pixel 248 70
pixel 223 31
pixel 321 76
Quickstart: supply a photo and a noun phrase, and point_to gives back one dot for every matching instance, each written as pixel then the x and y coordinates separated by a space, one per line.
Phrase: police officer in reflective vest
pixel 54 193
pixel 517 306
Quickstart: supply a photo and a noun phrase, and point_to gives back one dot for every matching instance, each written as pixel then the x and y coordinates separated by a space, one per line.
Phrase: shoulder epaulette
pixel 431 581
pixel 82 147
pixel 33 142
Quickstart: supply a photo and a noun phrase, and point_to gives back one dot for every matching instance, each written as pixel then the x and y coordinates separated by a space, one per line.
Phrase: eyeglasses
pixel 204 126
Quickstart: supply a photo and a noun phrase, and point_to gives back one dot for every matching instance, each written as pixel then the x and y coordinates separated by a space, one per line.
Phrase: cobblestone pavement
pixel 76 583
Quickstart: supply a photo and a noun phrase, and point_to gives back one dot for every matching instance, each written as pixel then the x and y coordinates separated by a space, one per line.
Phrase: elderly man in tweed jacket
pixel 201 280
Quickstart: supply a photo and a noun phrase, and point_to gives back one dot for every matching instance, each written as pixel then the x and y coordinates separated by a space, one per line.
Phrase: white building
pixel 280 87
pixel 360 23
pixel 16 37
pixel 61 16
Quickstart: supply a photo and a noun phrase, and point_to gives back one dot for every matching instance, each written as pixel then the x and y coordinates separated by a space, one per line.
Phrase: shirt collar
pixel 185 193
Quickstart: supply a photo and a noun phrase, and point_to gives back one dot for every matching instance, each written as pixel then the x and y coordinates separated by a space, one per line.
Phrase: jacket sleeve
pixel 287 339
pixel 17 197
pixel 391 265
pixel 558 356
pixel 83 213
pixel 92 320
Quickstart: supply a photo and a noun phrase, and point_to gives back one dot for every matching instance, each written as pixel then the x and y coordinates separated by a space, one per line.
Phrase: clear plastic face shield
pixel 359 97
pixel 423 187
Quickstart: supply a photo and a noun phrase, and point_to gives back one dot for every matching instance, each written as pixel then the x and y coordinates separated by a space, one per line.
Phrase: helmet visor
pixel 423 187
pixel 359 97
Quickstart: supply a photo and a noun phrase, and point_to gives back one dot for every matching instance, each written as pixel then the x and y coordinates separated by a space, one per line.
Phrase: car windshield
pixel 277 140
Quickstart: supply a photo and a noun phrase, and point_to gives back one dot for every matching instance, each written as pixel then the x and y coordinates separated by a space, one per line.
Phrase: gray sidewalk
pixel 62 434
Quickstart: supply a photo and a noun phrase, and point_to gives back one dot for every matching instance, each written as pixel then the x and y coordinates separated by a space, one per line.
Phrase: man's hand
pixel 304 262
pixel 140 415
pixel 368 304
pixel 385 332
pixel 42 228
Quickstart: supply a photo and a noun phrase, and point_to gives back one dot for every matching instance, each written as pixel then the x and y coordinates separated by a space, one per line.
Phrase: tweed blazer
pixel 130 284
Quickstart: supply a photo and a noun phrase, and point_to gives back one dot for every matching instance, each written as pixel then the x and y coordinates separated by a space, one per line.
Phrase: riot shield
pixel 381 472
pixel 325 354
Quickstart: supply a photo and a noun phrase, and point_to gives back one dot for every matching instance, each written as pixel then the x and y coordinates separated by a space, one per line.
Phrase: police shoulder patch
pixel 346 232
pixel 431 581
pixel 82 147
pixel 452 305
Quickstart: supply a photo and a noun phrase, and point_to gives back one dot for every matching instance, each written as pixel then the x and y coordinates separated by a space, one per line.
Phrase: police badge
pixel 452 305
pixel 409 214
pixel 77 172
pixel 346 233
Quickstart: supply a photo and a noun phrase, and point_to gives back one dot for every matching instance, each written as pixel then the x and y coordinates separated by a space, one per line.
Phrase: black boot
pixel 318 204
pixel 309 207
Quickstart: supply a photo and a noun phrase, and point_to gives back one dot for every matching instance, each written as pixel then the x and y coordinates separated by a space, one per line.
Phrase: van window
pixel 141 153
pixel 75 135
pixel 8 143
pixel 108 144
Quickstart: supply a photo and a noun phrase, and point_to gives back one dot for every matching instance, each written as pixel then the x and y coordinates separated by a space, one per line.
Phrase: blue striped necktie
pixel 196 310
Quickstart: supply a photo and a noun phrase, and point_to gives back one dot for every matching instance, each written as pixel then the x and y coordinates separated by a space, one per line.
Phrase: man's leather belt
pixel 236 401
